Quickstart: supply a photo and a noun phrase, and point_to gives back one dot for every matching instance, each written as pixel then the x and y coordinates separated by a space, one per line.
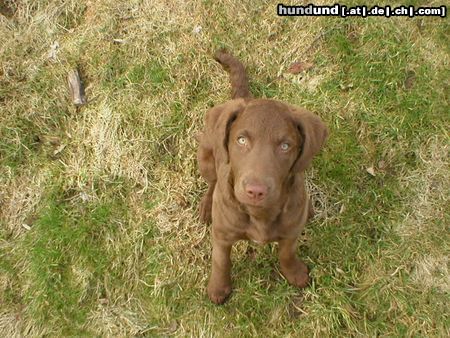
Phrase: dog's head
pixel 265 143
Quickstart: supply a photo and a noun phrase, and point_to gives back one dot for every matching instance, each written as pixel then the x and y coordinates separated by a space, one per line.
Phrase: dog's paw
pixel 297 275
pixel 218 295
pixel 205 209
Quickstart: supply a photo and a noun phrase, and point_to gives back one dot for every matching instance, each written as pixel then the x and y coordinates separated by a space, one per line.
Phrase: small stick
pixel 76 88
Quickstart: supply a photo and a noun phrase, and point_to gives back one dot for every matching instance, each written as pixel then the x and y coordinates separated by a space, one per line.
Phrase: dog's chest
pixel 262 233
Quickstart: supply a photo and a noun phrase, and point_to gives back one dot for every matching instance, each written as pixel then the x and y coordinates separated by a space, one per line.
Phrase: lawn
pixel 99 230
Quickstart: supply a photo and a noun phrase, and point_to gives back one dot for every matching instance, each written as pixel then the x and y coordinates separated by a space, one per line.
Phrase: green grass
pixel 99 232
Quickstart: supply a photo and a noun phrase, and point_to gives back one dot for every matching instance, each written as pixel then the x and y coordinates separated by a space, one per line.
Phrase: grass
pixel 99 233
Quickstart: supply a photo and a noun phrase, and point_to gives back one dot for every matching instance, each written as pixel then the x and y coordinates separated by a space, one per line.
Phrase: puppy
pixel 253 154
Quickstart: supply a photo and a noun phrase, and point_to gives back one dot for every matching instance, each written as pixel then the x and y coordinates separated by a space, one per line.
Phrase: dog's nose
pixel 256 191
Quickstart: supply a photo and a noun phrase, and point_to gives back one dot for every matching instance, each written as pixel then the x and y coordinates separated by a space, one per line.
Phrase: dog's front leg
pixel 219 286
pixel 295 271
pixel 205 207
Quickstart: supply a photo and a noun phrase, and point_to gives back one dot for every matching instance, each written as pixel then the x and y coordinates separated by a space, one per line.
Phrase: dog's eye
pixel 242 140
pixel 284 146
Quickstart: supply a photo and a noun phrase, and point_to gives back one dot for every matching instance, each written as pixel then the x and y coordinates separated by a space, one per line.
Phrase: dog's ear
pixel 218 124
pixel 313 134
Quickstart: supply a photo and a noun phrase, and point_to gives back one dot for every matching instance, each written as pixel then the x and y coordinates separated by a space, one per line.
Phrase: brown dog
pixel 253 154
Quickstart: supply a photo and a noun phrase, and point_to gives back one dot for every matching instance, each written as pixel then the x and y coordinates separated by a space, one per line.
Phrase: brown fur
pixel 256 186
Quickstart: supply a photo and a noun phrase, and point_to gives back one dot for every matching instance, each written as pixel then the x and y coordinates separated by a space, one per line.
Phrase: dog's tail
pixel 238 75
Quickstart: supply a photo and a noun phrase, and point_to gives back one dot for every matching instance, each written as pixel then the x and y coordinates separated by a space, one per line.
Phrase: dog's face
pixel 264 142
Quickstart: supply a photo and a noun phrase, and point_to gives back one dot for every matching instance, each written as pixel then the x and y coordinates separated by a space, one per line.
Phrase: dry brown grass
pixel 430 186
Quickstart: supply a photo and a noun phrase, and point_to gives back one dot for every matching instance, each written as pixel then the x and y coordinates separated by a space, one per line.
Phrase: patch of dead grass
pixel 19 199
pixel 9 324
pixel 433 272
pixel 102 145
pixel 427 214
pixel 430 186
pixel 117 320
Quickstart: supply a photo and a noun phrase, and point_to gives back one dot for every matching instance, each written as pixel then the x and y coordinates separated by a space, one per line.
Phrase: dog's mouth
pixel 254 204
